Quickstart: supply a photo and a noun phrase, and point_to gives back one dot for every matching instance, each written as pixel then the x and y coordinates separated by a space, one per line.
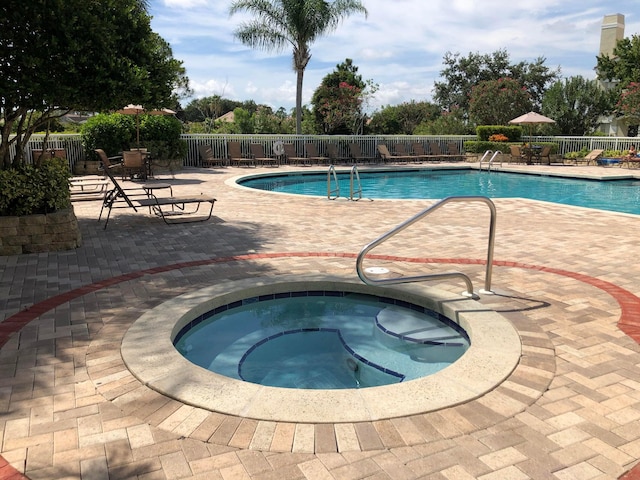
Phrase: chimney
pixel 612 31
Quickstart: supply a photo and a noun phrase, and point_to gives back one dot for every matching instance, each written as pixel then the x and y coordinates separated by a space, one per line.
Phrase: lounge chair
pixel 436 151
pixel 454 152
pixel 387 157
pixel 401 150
pixel 630 160
pixel 208 158
pixel 258 155
pixel 356 154
pixel 234 154
pixel 170 209
pixel 312 154
pixel 292 156
pixel 591 157
pixel 421 153
pixel 88 188
pixel 334 154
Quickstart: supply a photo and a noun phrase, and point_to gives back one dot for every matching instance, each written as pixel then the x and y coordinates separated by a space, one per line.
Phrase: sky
pixel 399 45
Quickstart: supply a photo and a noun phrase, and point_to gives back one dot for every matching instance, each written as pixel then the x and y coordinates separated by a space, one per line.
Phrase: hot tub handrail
pixel 418 278
pixel 334 193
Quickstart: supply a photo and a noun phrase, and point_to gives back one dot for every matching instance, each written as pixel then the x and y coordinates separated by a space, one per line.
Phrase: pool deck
pixel 567 278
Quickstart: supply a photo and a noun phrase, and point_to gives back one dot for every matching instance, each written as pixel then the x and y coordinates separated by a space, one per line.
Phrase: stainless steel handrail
pixel 493 156
pixel 354 174
pixel 418 278
pixel 331 173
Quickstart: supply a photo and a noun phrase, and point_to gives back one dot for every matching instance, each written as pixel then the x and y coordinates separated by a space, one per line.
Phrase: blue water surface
pixel 614 195
pixel 323 342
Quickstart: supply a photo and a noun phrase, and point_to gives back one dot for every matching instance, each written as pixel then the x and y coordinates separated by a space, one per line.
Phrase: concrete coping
pixel 149 353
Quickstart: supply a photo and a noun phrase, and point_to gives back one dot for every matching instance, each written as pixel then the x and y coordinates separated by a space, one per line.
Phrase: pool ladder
pixel 493 156
pixel 355 186
pixel 435 276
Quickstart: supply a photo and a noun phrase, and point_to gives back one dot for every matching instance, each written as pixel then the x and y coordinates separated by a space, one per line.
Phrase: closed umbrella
pixel 137 110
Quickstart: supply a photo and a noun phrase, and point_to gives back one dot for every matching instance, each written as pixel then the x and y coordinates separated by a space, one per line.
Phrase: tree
pixel 338 101
pixel 296 23
pixel 461 74
pixel 576 105
pixel 402 119
pixel 623 67
pixel 448 123
pixel 495 102
pixel 62 55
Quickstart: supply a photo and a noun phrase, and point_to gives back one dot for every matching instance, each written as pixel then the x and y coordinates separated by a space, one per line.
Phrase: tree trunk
pixel 299 75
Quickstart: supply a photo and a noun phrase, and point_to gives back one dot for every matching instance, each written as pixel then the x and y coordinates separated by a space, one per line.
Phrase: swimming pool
pixel 322 340
pixel 614 195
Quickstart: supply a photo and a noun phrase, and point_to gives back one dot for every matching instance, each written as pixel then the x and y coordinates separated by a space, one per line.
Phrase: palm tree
pixel 298 23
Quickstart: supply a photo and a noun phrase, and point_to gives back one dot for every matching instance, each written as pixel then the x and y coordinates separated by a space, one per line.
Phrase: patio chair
pixel 207 157
pixel 258 155
pixel 170 209
pixel 387 157
pixel 516 154
pixel 292 156
pixel 544 153
pixel 334 154
pixel 356 154
pixel 312 154
pixel 134 164
pixel 234 154
pixel 108 162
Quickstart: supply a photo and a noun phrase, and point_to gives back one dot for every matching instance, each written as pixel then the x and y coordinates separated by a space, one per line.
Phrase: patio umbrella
pixel 137 110
pixel 531 119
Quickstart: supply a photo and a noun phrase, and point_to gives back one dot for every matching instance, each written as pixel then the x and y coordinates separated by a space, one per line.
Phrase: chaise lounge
pixel 170 209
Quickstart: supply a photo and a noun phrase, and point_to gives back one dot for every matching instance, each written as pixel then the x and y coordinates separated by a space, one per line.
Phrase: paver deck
pixel 568 279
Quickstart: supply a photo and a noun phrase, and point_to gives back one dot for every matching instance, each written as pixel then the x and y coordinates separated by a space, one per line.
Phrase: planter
pixel 39 233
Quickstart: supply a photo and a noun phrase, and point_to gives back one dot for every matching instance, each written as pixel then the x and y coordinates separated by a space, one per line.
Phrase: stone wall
pixel 39 233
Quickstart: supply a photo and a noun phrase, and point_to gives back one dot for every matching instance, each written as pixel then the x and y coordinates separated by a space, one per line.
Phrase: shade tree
pixel 460 74
pixel 495 102
pixel 576 104
pixel 338 102
pixel 62 55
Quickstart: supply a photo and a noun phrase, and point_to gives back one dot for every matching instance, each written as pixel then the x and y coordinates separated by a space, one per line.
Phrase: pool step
pixel 415 327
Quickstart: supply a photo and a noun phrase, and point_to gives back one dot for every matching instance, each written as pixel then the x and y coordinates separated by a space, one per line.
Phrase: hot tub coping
pixel 149 353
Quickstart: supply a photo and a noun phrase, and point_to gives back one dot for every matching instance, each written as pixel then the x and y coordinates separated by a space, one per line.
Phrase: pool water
pixel 323 340
pixel 615 195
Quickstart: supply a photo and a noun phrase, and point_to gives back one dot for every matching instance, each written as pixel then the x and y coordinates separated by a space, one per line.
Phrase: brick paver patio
pixel 567 278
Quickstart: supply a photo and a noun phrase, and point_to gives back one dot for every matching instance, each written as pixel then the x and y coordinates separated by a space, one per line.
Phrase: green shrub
pixel 117 132
pixel 513 133
pixel 614 153
pixel 30 190
pixel 476 146
pixel 112 133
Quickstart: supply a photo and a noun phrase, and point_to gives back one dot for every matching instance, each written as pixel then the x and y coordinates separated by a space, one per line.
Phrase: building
pixel 612 31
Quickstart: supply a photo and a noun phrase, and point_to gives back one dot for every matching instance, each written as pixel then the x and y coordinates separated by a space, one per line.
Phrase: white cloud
pixel 399 46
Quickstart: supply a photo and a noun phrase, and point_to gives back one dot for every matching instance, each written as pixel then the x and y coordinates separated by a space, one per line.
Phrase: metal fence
pixel 75 153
